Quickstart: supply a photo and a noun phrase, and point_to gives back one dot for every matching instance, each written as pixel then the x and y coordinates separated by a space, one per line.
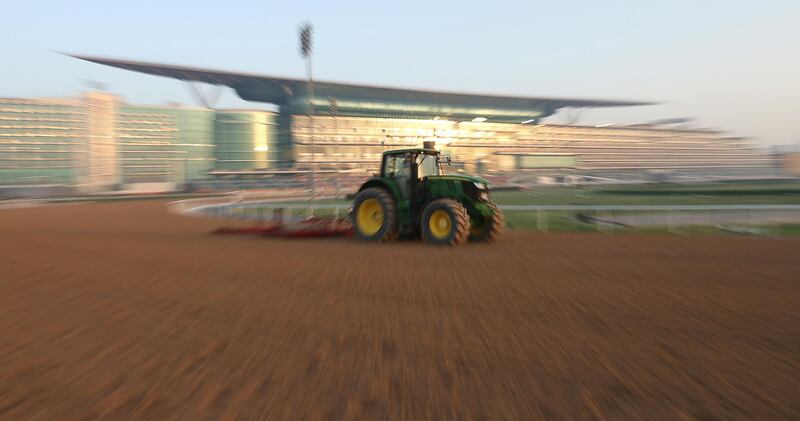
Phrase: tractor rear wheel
pixel 445 221
pixel 492 226
pixel 375 216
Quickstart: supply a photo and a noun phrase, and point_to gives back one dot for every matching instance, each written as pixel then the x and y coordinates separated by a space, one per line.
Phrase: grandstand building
pixel 245 140
pixel 41 141
pixel 346 127
pixel 163 144
pixel 99 143
pixel 485 148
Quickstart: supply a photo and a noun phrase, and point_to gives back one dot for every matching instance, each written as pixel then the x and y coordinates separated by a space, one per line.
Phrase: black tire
pixel 491 229
pixel 389 228
pixel 458 232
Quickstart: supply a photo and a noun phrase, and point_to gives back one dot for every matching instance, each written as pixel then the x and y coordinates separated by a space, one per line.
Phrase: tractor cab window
pixel 398 167
pixel 427 165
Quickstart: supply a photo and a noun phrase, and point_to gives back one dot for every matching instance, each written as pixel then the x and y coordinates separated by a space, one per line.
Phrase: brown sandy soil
pixel 123 311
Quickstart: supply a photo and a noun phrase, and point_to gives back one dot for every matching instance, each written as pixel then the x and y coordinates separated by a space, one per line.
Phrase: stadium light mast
pixel 305 51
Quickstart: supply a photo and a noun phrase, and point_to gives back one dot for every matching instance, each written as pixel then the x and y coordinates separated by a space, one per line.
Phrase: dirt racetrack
pixel 124 311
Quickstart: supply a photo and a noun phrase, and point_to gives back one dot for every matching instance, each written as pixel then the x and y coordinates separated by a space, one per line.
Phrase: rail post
pixel 749 221
pixel 541 220
pixel 597 220
pixel 611 219
pixel 538 219
pixel 669 220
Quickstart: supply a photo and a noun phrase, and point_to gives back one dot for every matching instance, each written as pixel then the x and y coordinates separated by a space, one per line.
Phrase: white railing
pixel 603 217
pixel 21 203
pixel 646 207
pixel 611 217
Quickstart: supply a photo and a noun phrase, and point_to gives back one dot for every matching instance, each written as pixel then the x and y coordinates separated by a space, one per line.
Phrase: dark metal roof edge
pixel 157 67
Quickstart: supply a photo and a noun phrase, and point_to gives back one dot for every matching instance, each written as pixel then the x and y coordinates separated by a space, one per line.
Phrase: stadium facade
pixel 99 143
pixel 483 147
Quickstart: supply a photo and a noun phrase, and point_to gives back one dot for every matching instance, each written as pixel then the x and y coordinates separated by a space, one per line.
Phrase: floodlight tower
pixel 305 52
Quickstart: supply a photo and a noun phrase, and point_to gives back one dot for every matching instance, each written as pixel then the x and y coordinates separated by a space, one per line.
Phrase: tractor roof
pixel 415 150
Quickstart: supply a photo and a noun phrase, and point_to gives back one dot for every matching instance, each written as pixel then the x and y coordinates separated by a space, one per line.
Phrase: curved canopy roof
pixel 352 99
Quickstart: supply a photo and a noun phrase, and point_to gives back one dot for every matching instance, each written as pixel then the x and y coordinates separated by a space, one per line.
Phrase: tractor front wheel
pixel 492 226
pixel 446 222
pixel 374 215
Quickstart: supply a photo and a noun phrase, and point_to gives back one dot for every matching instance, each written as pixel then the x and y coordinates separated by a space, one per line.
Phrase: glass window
pixel 398 166
pixel 428 165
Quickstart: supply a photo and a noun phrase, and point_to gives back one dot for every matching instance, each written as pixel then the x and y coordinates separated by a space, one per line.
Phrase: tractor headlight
pixel 480 186
pixel 484 196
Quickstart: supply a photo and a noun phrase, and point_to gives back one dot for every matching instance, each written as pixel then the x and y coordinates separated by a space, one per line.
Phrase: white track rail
pixel 604 217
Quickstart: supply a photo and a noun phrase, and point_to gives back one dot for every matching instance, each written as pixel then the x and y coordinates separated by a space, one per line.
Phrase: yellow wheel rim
pixel 369 217
pixel 440 224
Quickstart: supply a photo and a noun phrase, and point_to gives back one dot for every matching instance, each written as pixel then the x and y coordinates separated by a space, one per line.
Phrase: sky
pixel 731 65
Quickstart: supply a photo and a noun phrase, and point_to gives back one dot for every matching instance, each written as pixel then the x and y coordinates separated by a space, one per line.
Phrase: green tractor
pixel 412 196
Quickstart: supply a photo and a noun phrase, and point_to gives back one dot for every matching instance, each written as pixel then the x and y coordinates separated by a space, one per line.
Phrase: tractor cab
pixel 409 167
pixel 412 195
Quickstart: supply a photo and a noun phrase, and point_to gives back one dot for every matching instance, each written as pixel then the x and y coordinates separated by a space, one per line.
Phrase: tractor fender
pixel 384 184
